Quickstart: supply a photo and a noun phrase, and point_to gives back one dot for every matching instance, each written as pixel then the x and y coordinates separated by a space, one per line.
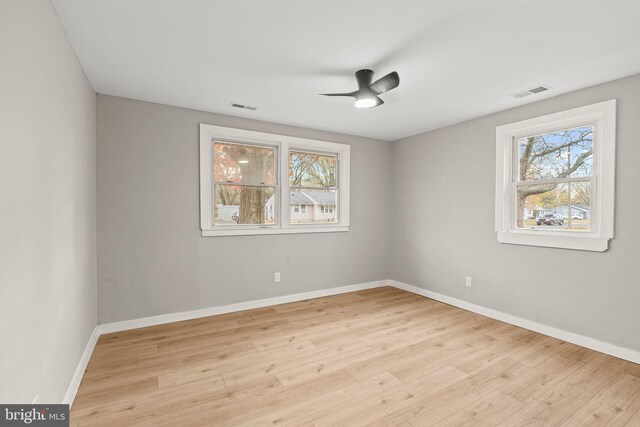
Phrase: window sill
pixel 583 242
pixel 272 230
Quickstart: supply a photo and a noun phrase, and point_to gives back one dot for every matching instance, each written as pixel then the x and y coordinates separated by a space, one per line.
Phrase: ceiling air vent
pixel 531 91
pixel 242 106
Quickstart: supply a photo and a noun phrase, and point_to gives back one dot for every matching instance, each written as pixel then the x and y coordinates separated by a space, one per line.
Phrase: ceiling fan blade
pixel 386 83
pixel 364 78
pixel 340 94
pixel 378 102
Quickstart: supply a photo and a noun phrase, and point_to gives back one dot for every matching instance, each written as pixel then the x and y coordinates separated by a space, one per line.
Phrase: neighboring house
pixel 227 213
pixel 310 206
pixel 580 211
pixel 538 212
pixel 302 207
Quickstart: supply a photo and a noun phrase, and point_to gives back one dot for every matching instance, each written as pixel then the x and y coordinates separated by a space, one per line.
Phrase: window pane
pixel 316 206
pixel 312 169
pixel 561 154
pixel 244 164
pixel 579 217
pixel 548 207
pixel 235 204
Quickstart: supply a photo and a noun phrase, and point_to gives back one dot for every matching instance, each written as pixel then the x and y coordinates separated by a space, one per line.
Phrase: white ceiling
pixel 457 59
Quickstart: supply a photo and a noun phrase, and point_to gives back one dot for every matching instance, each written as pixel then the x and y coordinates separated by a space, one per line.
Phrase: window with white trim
pixel 259 183
pixel 555 179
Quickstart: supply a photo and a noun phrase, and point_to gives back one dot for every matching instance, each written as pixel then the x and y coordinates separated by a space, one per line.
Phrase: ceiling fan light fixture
pixel 365 102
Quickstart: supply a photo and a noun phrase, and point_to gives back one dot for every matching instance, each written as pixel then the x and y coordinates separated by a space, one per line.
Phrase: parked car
pixel 550 219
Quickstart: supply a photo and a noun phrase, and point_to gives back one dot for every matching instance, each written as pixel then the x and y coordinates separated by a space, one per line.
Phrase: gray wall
pixel 47 205
pixel 444 202
pixel 151 257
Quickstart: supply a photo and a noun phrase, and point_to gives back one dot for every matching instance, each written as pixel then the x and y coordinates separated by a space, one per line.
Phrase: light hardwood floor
pixel 380 357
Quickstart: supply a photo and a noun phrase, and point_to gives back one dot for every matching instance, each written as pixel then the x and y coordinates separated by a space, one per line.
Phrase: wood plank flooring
pixel 380 357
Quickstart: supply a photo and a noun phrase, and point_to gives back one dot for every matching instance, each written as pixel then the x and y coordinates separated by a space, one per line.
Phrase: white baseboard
pixel 212 311
pixel 82 365
pixel 581 340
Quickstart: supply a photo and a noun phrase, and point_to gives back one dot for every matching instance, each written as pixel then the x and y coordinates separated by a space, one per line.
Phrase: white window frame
pixel 303 209
pixel 602 116
pixel 211 133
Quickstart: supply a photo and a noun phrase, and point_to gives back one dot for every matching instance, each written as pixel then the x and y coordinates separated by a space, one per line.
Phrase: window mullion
pixel 297 187
pixel 553 181
pixel 285 213
pixel 238 184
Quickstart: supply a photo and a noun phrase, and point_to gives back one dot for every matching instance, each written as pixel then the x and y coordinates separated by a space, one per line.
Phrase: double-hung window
pixel 245 183
pixel 259 183
pixel 313 176
pixel 555 179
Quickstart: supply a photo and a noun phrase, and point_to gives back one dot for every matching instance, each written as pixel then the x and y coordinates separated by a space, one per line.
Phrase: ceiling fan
pixel 367 94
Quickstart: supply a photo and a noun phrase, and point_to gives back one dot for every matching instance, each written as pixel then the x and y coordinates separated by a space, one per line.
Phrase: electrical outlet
pixel 467 281
pixel 276 277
